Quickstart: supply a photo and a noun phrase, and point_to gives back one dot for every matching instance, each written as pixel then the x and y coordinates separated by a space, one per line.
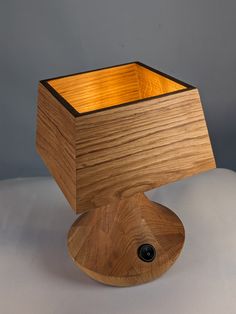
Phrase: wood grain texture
pixel 153 84
pixel 135 148
pixel 103 155
pixel 103 161
pixel 55 142
pixel 113 86
pixel 104 242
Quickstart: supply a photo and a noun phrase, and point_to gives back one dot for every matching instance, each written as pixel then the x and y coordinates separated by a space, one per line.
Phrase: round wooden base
pixel 129 242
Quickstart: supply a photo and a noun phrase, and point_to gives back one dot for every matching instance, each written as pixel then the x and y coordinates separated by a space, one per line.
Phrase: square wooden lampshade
pixel 109 135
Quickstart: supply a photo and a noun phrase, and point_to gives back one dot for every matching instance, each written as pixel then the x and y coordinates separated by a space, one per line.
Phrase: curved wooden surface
pixel 104 242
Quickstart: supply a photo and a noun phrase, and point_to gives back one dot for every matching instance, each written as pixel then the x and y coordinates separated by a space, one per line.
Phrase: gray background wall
pixel 192 40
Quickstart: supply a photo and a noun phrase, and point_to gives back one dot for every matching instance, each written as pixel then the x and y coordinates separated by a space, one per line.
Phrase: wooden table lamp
pixel 107 136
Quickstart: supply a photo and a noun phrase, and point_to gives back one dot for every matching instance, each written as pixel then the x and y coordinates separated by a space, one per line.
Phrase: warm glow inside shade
pixel 112 86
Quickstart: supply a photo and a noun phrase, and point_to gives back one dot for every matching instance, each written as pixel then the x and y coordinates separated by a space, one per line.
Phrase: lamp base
pixel 128 242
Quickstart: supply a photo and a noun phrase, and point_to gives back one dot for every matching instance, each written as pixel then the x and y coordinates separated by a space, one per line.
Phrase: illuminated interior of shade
pixel 113 86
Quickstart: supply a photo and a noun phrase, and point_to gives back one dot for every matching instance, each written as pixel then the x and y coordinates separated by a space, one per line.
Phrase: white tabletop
pixel 38 277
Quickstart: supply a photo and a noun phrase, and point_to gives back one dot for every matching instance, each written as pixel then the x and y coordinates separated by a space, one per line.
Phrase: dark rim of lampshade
pixel 76 113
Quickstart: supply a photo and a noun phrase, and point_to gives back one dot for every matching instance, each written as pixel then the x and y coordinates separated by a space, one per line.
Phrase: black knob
pixel 146 252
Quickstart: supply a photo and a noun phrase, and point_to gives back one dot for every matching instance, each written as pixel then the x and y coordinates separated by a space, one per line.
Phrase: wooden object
pixel 109 135
pixel 104 242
